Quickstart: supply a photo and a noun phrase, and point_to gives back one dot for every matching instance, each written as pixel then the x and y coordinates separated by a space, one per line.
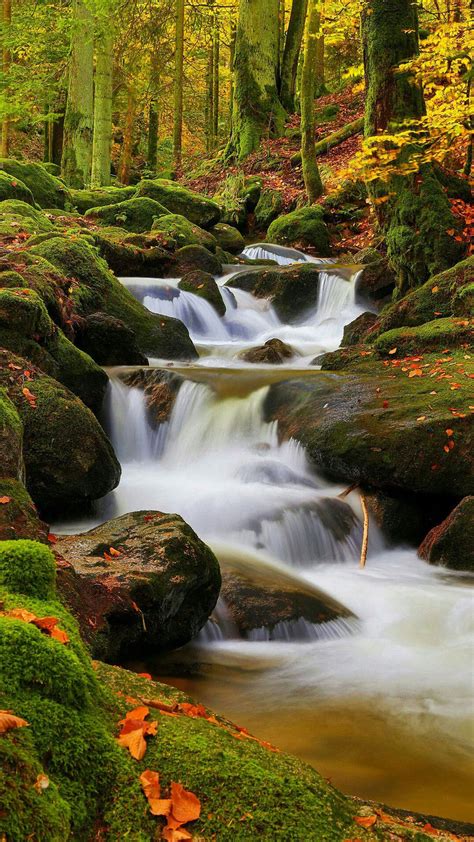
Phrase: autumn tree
pixel 79 118
pixel 311 175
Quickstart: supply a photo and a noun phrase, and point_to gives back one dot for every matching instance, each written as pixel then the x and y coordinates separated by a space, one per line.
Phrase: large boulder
pixel 451 544
pixel 229 238
pixel 134 255
pixel 83 200
pixel 13 188
pixel 377 280
pixel 179 200
pixel 11 431
pixel 204 286
pixel 438 334
pixel 136 214
pixel 154 591
pixel 291 289
pixel 19 219
pixel 68 459
pixel 390 425
pixel 109 341
pixel 18 515
pixel 48 191
pixel 273 352
pixel 355 331
pixel 184 232
pixel 94 288
pixel 301 228
pixel 189 258
pixel 269 206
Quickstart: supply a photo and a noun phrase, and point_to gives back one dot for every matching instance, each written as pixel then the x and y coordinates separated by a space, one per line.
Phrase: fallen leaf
pixel 385 404
pixel 52 538
pixel 175 835
pixel 144 675
pixel 435 289
pixel 392 351
pixel 8 721
pixel 186 805
pixel 421 418
pixel 41 783
pixel 114 552
pixel 4 500
pixel 416 372
pixel 449 432
pixel 135 742
pixel 365 821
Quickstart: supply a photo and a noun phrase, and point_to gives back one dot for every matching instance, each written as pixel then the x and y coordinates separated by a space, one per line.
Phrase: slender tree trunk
pixel 78 122
pixel 215 81
pixel 231 70
pixel 311 176
pixel 6 62
pixel 127 147
pixel 56 128
pixel 178 84
pixel 209 108
pixel 291 53
pixel 417 215
pixel 257 109
pixel 102 139
pixel 320 87
pixel 153 116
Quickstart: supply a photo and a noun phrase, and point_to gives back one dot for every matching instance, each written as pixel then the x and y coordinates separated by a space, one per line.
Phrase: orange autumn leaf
pixel 196 711
pixel 135 742
pixel 134 729
pixel 392 351
pixel 22 614
pixel 144 675
pixel 5 499
pixel 449 432
pixel 175 835
pixel 114 552
pixel 42 782
pixel 435 289
pixel 365 821
pixel 8 721
pixel 186 805
pixel 150 782
pixel 141 712
pixel 59 635
pixel 416 372
pixel 46 624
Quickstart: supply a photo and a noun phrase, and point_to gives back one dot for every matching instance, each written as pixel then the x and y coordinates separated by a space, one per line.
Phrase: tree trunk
pixel 215 80
pixel 178 84
pixel 257 110
pixel 209 107
pixel 320 87
pixel 417 214
pixel 78 121
pixel 153 115
pixel 127 147
pixel 6 62
pixel 291 53
pixel 102 139
pixel 311 176
pixel 231 70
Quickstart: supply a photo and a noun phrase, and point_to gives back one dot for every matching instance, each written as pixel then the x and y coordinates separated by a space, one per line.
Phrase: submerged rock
pixel 274 351
pixel 203 285
pixel 451 544
pixel 291 289
pixel 154 591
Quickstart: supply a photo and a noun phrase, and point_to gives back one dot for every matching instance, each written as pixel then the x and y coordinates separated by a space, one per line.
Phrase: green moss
pixel 28 568
pixel 19 518
pixel 269 206
pixel 23 311
pixel 190 258
pixel 11 436
pixel 48 191
pixel 184 232
pixel 196 208
pixel 301 228
pixel 39 275
pixel 83 200
pixel 10 279
pixel 88 274
pixel 229 239
pixel 12 188
pixel 53 169
pixel 204 286
pixel 16 216
pixel 441 333
pixel 136 215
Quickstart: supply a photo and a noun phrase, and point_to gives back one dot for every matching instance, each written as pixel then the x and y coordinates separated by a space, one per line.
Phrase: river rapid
pixel 381 705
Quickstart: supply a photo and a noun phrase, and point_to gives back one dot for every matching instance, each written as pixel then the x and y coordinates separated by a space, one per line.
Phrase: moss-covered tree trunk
pixel 215 81
pixel 291 54
pixel 127 146
pixel 78 121
pixel 320 70
pixel 6 61
pixel 417 215
pixel 311 176
pixel 257 111
pixel 153 114
pixel 102 139
pixel 178 84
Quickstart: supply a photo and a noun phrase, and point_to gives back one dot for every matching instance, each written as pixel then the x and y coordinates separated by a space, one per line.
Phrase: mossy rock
pixel 451 543
pixel 250 192
pixel 393 437
pixel 12 188
pixel 346 203
pixel 22 311
pixel 438 334
pixel 228 238
pixel 109 341
pixel 10 279
pixel 184 232
pixel 442 295
pixel 273 352
pixel 179 200
pixel 355 331
pixel 18 517
pixel 203 285
pixel 136 215
pixel 11 436
pixel 48 191
pixel 17 217
pixel 134 255
pixel 301 228
pixel 53 169
pixel 41 276
pixel 291 289
pixel 28 568
pixel 190 258
pixel 377 281
pixel 68 459
pixel 84 200
pixel 269 206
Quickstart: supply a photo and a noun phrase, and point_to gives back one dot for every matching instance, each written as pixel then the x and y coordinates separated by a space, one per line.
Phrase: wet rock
pixel 377 281
pixel 269 206
pixel 160 388
pixel 184 232
pixel 403 517
pixel 156 594
pixel 190 258
pixel 291 289
pixel 18 517
pixel 68 459
pixel 356 330
pixel 228 238
pixel 136 214
pixel 204 286
pixel 274 351
pixel 200 210
pixel 133 255
pixel 451 543
pixel 109 341
pixel 301 228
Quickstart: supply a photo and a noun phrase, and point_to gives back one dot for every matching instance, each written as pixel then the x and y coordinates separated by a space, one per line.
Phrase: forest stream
pixel 377 700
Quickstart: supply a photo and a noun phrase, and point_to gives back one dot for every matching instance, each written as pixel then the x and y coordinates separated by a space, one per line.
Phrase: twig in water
pixel 365 534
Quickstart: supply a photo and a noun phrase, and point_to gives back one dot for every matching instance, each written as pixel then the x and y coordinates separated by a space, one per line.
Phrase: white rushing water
pixel 407 662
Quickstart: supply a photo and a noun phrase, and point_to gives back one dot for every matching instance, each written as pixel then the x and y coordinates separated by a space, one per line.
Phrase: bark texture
pixel 178 84
pixel 291 53
pixel 102 139
pixel 311 176
pixel 78 122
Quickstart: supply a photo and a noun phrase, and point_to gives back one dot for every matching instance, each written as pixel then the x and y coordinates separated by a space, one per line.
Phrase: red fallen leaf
pixel 144 675
pixel 449 432
pixel 385 404
pixel 186 806
pixel 446 448
pixel 41 783
pixel 114 552
pixel 416 372
pixel 53 539
pixel 365 821
pixel 8 721
pixel 195 711
pixel 4 500
pixel 27 373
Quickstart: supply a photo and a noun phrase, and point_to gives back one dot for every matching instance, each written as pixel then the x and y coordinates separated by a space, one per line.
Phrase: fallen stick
pixel 334 139
pixel 365 534
pixel 348 490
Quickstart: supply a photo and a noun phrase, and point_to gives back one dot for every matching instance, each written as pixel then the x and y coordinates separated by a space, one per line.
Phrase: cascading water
pixel 387 693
